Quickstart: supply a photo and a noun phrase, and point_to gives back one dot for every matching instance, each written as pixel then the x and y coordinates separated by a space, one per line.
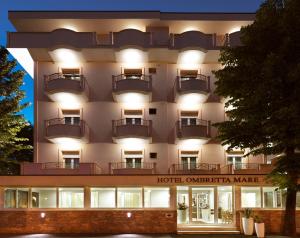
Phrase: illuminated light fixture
pixel 67 58
pixel 24 58
pixel 191 101
pixel 132 143
pixel 66 100
pixel 135 27
pixel 66 143
pixel 128 214
pixel 43 214
pixel 234 29
pixel 190 59
pixel 70 27
pixel 132 100
pixel 190 28
pixel 191 144
pixel 132 58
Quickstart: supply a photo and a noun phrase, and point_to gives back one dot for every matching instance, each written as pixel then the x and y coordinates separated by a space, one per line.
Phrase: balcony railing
pixel 139 128
pixel 125 82
pixel 58 127
pixel 247 168
pixel 132 168
pixel 197 82
pixel 198 128
pixel 195 168
pixel 66 82
pixel 60 168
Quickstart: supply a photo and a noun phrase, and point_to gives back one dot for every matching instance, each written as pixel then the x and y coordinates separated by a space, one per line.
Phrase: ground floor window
pixel 251 197
pixel 103 198
pixel 43 198
pixel 16 197
pixel 129 197
pixel 157 197
pixel 71 197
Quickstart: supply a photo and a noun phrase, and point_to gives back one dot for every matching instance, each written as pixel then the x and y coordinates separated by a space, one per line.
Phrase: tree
pixel 261 79
pixel 11 121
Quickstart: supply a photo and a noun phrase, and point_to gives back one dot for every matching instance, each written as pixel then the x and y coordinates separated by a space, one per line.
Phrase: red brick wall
pixel 272 219
pixel 88 222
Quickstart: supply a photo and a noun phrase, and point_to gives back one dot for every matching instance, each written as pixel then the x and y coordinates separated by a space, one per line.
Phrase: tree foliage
pixel 261 79
pixel 11 121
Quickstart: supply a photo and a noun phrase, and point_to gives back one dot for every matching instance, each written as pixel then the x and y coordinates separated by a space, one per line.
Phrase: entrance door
pixel 203 205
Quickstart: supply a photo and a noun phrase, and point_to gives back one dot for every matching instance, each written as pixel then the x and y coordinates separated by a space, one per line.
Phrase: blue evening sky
pixel 119 5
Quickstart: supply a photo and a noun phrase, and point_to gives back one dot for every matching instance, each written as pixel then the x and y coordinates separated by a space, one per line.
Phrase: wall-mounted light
pixel 128 214
pixel 132 58
pixel 190 59
pixel 66 143
pixel 191 144
pixel 67 58
pixel 132 143
pixel 43 214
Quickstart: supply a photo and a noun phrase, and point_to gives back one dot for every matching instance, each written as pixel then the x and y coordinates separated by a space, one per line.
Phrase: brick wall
pixel 88 222
pixel 272 219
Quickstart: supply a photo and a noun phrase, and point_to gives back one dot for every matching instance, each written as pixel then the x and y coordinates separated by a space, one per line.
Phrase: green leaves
pixel 11 122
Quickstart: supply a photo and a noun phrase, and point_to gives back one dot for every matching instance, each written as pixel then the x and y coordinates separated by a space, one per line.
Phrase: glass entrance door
pixel 203 205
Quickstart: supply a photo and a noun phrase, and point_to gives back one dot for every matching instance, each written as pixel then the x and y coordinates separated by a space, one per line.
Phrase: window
pixel 153 155
pixel 133 159
pixel 71 73
pixel 129 197
pixel 152 70
pixel 157 197
pixel 71 198
pixel 43 197
pixel 133 73
pixel 103 197
pixel 16 197
pixel 235 160
pixel 225 205
pixel 189 159
pixel 71 159
pixel 152 111
pixel 133 117
pixel 189 118
pixel 251 197
pixel 72 117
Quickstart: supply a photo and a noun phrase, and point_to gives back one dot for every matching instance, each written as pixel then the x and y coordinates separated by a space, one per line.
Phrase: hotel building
pixel 124 137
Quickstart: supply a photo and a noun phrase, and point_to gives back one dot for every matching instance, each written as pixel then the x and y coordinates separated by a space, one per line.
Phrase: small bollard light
pixel 129 214
pixel 43 214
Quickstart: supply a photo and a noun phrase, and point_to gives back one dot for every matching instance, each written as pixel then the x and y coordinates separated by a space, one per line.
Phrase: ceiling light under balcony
pixel 191 144
pixel 191 101
pixel 190 59
pixel 66 143
pixel 67 100
pixel 67 58
pixel 132 143
pixel 132 58
pixel 132 100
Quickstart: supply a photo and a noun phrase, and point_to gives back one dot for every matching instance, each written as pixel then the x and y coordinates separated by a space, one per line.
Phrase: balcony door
pixel 133 117
pixel 189 163
pixel 71 117
pixel 133 159
pixel 188 118
pixel 235 160
pixel 71 159
pixel 134 163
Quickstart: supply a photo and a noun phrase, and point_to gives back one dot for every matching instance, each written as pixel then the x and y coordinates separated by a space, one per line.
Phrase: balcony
pixel 192 39
pixel 59 168
pixel 132 88
pixel 191 89
pixel 59 131
pixel 199 129
pixel 198 168
pixel 131 37
pixel 124 129
pixel 66 88
pixel 128 169
pixel 247 168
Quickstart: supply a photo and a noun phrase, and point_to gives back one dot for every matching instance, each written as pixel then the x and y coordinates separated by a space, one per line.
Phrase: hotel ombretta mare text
pixel 124 111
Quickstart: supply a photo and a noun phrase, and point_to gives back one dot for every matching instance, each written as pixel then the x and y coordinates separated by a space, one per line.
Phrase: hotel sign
pixel 209 180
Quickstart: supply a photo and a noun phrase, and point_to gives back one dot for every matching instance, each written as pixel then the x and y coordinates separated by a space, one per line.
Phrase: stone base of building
pixel 116 222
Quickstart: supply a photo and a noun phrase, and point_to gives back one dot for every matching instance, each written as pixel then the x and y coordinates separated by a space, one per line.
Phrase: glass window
pixel 272 197
pixel 251 197
pixel 225 207
pixel 103 197
pixel 16 198
pixel 298 200
pixel 43 197
pixel 182 204
pixel 71 198
pixel 157 197
pixel 129 197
